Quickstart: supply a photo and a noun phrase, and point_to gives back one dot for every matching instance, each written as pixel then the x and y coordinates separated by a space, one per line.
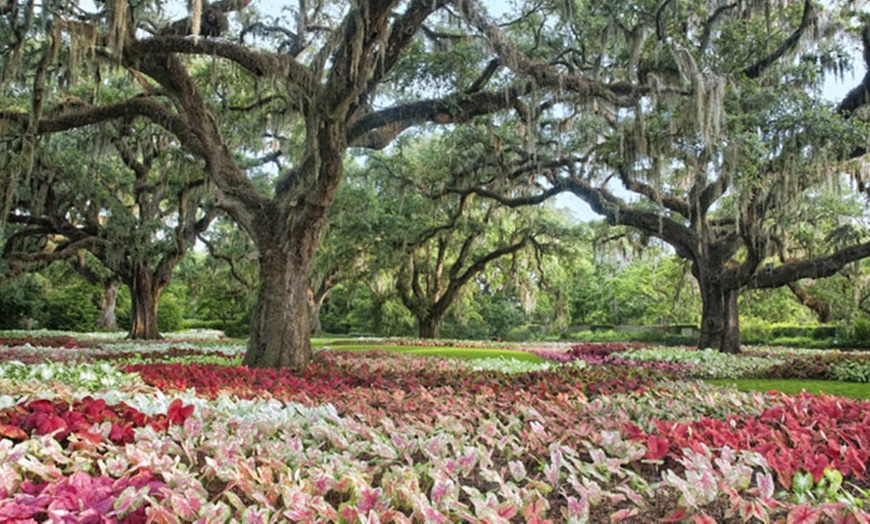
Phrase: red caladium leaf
pixel 47 423
pixel 657 447
pixel 177 412
pixel 816 464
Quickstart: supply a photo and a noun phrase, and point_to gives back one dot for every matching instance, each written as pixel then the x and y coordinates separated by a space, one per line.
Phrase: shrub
pixel 198 323
pixel 21 298
pixel 170 315
pixel 859 335
pixel 72 309
pixel 754 331
pixel 802 342
pixel 524 333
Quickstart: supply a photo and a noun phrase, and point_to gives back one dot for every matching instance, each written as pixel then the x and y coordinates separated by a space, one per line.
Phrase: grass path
pixel 843 389
pixel 435 351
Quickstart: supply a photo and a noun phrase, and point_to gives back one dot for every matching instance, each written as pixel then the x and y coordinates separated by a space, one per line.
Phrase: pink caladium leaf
pixel 703 518
pixel 440 489
pixel 765 485
pixel 577 511
pixel 623 514
pixel 368 499
pixel 517 469
pixel 804 514
pixel 678 515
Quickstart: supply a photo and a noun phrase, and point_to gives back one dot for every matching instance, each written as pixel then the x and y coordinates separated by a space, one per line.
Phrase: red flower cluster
pixel 803 433
pixel 61 419
pixel 80 498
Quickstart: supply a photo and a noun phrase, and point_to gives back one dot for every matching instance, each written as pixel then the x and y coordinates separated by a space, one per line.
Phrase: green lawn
pixel 432 351
pixel 843 389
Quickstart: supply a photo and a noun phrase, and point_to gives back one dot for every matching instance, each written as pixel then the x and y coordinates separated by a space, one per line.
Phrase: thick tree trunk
pixel 145 298
pixel 429 326
pixel 287 236
pixel 107 320
pixel 720 325
pixel 280 334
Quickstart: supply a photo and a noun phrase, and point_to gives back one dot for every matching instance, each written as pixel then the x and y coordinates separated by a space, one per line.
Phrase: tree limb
pixel 818 267
pixel 376 130
pixel 213 252
pixel 807 20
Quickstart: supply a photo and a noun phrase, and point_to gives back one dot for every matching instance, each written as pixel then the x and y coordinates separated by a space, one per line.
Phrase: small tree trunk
pixel 316 305
pixel 280 334
pixel 720 325
pixel 107 320
pixel 145 297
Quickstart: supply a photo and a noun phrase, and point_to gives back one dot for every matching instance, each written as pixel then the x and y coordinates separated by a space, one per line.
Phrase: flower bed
pixel 380 437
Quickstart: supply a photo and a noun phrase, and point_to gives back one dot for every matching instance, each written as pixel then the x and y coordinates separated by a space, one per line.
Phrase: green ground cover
pixel 430 351
pixel 793 386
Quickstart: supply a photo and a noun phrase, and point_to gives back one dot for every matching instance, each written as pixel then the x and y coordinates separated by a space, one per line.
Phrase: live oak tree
pixel 714 139
pixel 312 82
pixel 438 241
pixel 137 213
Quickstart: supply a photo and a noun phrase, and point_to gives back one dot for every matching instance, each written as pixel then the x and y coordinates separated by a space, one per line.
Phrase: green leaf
pixel 802 483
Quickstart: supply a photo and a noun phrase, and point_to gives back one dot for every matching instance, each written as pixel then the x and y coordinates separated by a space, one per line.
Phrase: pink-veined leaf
pixel 765 484
pixel 678 515
pixel 804 514
pixel 703 518
pixel 623 514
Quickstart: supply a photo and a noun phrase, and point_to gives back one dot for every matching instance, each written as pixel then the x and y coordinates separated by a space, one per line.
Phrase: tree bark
pixel 720 324
pixel 145 296
pixel 107 320
pixel 279 325
pixel 429 326
pixel 287 231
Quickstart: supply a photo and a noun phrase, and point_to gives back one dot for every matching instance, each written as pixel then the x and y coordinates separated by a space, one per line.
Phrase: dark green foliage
pixel 525 333
pixel 170 314
pixel 21 298
pixel 72 308
pixel 859 335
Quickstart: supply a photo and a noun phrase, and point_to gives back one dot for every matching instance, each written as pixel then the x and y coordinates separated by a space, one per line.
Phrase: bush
pixel 755 331
pixel 21 298
pixel 237 328
pixel 198 323
pixel 787 331
pixel 170 315
pixel 802 342
pixel 524 333
pixel 859 335
pixel 72 309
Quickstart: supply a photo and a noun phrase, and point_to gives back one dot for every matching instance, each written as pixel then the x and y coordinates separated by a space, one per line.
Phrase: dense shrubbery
pixel 72 309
